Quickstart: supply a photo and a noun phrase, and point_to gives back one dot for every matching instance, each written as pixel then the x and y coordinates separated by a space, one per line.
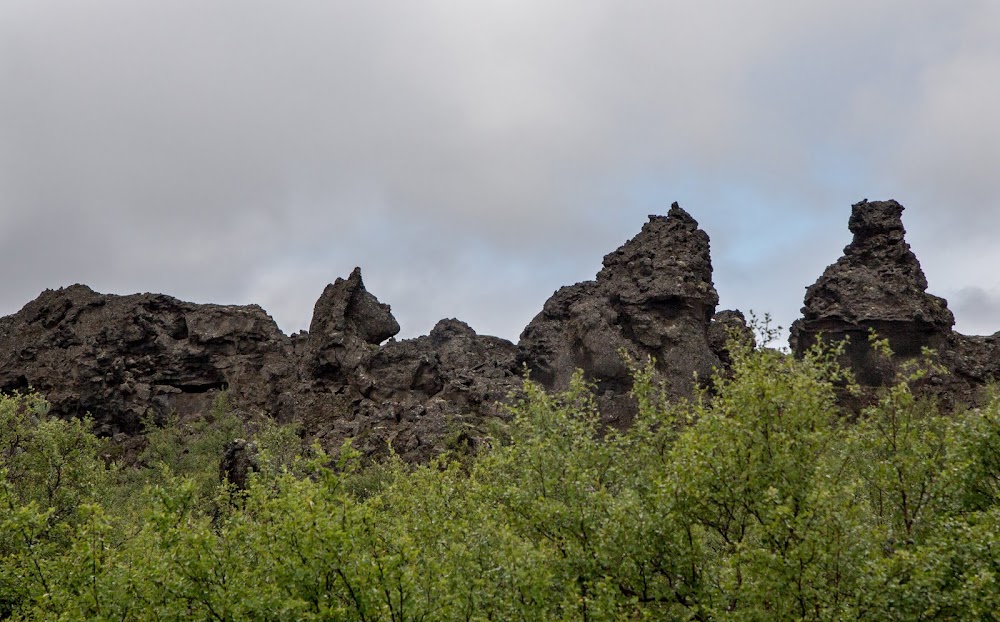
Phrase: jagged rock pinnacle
pixel 878 279
pixel 346 307
pixel 654 297
pixel 677 212
pixel 669 259
pixel 878 285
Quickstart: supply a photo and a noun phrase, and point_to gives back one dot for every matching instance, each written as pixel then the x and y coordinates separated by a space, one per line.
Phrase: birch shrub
pixel 760 501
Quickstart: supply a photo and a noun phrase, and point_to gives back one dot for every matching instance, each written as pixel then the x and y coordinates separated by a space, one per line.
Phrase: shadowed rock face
pixel 347 326
pixel 239 459
pixel 119 357
pixel 654 297
pixel 123 358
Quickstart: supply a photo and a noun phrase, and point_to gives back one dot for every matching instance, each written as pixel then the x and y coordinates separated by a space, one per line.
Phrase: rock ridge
pixel 132 360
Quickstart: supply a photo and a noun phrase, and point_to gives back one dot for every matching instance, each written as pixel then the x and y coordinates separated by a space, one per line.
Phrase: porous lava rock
pixel 654 297
pixel 121 358
pixel 130 360
pixel 878 285
pixel 240 458
pixel 347 326
pixel 416 394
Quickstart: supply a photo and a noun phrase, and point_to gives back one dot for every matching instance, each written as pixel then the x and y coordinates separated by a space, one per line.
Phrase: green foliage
pixel 49 477
pixel 192 448
pixel 756 502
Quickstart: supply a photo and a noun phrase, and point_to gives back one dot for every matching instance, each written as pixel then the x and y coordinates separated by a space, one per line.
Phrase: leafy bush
pixel 50 477
pixel 760 502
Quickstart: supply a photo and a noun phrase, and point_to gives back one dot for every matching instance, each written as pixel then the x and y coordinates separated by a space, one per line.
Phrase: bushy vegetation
pixel 761 503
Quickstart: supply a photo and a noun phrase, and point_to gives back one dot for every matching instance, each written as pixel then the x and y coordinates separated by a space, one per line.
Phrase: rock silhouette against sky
pixel 125 359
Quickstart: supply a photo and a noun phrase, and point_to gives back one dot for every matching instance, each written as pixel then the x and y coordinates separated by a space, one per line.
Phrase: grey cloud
pixel 979 310
pixel 472 157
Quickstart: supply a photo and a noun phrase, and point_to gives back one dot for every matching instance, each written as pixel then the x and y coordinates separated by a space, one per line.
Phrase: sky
pixel 474 156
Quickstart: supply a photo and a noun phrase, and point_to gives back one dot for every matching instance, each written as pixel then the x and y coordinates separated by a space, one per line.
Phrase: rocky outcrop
pixel 357 382
pixel 240 458
pixel 129 360
pixel 122 358
pixel 415 393
pixel 878 285
pixel 347 326
pixel 654 298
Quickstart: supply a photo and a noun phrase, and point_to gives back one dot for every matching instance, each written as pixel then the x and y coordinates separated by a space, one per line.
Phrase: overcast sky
pixel 472 156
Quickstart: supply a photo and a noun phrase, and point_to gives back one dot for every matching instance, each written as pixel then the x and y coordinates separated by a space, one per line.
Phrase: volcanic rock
pixel 347 326
pixel 240 458
pixel 725 327
pixel 654 298
pixel 411 395
pixel 121 358
pixel 127 361
pixel 876 285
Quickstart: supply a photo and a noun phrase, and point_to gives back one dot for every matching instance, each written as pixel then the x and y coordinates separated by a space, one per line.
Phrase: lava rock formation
pixel 128 360
pixel 878 285
pixel 653 298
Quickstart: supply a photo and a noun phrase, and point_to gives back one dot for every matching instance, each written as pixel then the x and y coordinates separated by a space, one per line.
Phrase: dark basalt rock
pixel 240 458
pixel 878 285
pixel 347 326
pixel 413 394
pixel 654 297
pixel 121 357
pixel 125 359
pixel 726 326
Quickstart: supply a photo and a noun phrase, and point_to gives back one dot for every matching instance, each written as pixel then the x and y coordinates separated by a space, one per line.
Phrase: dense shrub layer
pixel 759 504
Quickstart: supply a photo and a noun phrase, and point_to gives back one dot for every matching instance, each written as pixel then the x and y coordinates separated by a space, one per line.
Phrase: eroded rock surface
pixel 347 326
pixel 878 285
pixel 654 297
pixel 125 360
pixel 120 358
pixel 240 458
pixel 415 394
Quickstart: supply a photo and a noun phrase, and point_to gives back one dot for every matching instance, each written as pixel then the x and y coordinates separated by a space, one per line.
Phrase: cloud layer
pixel 473 157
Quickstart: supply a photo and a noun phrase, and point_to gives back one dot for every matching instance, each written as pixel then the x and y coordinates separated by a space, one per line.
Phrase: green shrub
pixel 756 502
